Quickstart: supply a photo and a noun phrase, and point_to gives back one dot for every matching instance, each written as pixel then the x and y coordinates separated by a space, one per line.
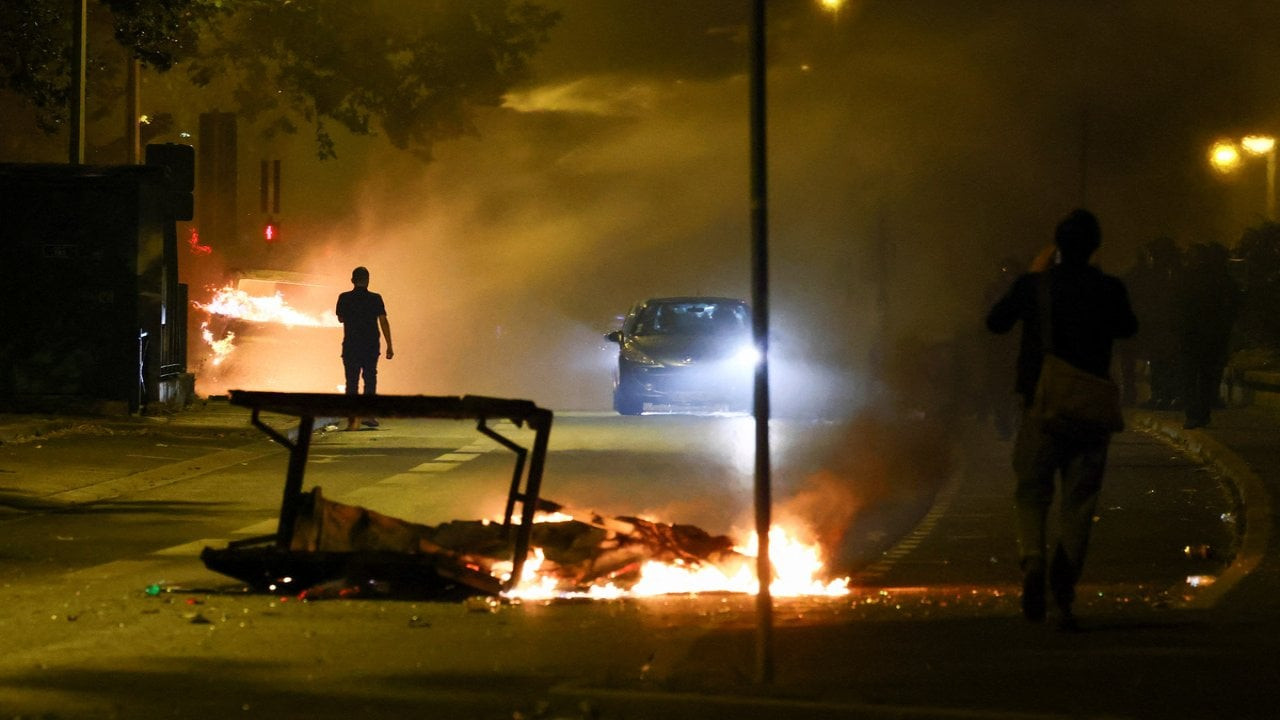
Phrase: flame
pixel 234 303
pixel 798 572
pixel 221 348
pixel 231 302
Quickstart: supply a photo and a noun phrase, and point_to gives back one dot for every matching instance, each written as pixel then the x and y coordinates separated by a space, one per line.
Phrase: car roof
pixel 695 299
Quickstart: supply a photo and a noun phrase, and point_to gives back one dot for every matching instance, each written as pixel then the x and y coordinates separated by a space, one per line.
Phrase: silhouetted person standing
pixel 1153 284
pixel 1208 300
pixel 1088 310
pixel 362 313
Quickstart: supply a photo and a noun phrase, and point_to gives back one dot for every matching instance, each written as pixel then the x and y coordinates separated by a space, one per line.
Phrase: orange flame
pixel 234 303
pixel 222 347
pixel 231 302
pixel 798 571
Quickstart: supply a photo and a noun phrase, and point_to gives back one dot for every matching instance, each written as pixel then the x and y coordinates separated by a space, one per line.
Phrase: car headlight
pixel 747 356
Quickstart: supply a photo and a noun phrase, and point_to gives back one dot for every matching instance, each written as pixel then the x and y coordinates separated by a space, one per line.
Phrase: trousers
pixel 356 366
pixel 1043 463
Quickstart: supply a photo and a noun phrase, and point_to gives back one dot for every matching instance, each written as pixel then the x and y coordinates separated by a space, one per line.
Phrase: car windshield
pixel 693 318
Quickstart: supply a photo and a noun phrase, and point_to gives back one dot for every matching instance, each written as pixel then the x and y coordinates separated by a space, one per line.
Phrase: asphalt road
pixel 91 520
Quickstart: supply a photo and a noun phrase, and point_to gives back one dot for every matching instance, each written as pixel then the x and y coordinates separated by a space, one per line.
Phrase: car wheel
pixel 626 403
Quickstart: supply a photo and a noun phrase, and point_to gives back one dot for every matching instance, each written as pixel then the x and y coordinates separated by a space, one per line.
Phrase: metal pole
pixel 1271 184
pixel 75 115
pixel 760 330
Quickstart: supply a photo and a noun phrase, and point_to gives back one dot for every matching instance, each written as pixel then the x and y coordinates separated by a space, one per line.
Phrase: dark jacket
pixel 1090 309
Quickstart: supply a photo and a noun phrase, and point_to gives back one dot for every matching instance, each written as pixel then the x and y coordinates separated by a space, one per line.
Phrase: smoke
pixel 910 146
pixel 878 480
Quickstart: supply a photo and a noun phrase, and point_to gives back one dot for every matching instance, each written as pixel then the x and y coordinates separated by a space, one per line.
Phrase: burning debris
pixel 542 551
pixel 347 545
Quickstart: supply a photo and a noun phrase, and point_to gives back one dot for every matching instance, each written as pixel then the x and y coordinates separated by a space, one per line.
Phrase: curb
pixel 32 429
pixel 1254 499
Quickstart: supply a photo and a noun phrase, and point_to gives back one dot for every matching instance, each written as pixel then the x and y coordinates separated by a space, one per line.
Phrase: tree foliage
pixel 414 71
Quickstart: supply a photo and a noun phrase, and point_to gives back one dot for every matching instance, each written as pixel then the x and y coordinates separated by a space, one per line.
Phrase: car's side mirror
pixel 615 336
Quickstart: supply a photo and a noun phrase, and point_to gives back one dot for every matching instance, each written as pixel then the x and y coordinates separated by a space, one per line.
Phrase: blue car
pixel 685 351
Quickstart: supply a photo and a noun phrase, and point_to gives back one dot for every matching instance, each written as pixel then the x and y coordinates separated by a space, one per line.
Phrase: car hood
pixel 684 349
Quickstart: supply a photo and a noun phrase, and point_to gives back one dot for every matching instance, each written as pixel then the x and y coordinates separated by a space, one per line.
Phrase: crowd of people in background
pixel 1189 301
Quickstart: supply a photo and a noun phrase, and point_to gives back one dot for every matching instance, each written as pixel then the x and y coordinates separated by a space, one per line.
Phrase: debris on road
pixel 340 550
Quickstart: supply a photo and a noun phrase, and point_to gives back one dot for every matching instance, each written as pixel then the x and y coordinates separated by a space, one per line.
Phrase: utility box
pixel 94 316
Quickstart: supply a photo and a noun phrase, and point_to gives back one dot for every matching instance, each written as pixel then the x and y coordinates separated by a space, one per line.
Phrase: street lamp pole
pixel 760 331
pixel 1265 145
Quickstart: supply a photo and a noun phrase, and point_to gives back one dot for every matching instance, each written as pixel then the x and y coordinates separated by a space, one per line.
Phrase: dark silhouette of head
pixel 360 276
pixel 1077 237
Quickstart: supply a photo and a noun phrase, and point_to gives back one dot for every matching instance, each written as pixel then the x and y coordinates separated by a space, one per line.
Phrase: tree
pixel 416 71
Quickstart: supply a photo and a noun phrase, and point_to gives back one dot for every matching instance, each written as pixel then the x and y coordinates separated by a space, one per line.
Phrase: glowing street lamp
pixel 1225 157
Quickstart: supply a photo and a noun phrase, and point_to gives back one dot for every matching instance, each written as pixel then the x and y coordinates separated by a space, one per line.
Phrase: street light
pixel 1265 146
pixel 1225 157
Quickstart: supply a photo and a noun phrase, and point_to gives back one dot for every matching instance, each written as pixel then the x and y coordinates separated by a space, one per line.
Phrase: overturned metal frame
pixel 307 407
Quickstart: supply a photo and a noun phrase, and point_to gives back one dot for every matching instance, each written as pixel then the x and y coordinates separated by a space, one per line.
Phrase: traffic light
pixel 180 162
pixel 271 231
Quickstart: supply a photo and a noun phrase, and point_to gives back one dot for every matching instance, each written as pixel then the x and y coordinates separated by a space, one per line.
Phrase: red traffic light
pixel 271 231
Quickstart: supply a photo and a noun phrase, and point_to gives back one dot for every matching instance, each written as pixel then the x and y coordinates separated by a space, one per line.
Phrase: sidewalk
pixel 210 414
pixel 1243 446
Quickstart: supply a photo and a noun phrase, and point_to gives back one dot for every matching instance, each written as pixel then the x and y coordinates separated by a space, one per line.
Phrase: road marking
pixel 457 457
pixel 413 477
pixel 161 476
pixel 906 545
pixel 433 467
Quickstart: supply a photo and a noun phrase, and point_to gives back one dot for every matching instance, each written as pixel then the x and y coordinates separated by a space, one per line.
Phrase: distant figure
pixel 1208 301
pixel 1153 284
pixel 361 313
pixel 1088 311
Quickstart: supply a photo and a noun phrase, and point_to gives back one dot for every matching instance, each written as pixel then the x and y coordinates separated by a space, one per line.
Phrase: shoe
pixel 370 422
pixel 1033 596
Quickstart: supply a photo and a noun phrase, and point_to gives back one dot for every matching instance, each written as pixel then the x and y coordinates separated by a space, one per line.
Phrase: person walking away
pixel 1153 285
pixel 362 313
pixel 1208 301
pixel 1088 310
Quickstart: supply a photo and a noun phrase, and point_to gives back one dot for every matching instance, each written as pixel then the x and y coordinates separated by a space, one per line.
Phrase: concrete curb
pixel 28 430
pixel 1255 501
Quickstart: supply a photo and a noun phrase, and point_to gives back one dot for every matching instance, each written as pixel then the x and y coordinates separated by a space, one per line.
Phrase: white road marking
pixel 443 463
